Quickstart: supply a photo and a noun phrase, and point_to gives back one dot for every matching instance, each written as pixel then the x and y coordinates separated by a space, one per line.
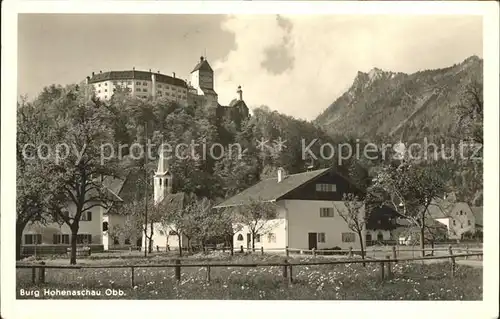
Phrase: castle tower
pixel 202 77
pixel 162 179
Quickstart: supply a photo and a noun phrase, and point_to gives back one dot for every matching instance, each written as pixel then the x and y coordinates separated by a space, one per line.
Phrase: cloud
pixel 298 65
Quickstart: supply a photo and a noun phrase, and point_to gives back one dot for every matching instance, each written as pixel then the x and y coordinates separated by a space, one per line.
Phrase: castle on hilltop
pixel 199 91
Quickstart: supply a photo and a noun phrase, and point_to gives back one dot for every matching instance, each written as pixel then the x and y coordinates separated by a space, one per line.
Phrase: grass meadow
pixel 411 281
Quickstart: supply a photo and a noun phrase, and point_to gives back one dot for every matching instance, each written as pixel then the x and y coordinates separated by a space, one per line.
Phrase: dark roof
pixel 270 190
pixel 208 91
pixel 236 102
pixel 136 75
pixel 478 214
pixel 174 201
pixel 202 65
pixel 380 217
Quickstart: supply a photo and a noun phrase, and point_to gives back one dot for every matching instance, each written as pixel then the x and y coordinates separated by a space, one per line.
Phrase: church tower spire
pixel 162 179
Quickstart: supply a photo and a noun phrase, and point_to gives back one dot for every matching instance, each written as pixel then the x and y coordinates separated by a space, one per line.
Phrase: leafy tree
pixel 84 128
pixel 470 111
pixel 36 185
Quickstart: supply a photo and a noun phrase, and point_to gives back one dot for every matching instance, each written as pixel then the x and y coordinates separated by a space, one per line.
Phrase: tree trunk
pixel 253 242
pixel 19 238
pixel 422 237
pixel 362 247
pixel 180 244
pixel 231 245
pixel 74 233
pixel 150 248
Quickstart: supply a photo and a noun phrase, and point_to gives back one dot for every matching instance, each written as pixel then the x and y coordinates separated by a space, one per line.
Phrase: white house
pixel 308 207
pixel 55 237
pixel 458 217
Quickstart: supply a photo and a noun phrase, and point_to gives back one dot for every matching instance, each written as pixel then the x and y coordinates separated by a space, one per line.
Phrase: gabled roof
pixel 202 66
pixel 136 75
pixel 269 189
pixel 478 214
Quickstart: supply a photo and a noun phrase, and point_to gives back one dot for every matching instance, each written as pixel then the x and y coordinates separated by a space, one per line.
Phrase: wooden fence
pixel 38 270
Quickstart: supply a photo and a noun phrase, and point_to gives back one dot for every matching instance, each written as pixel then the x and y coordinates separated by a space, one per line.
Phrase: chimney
pixel 173 75
pixel 133 68
pixel 281 174
pixel 158 71
pixel 149 70
pixel 240 93
pixel 100 71
pixel 202 58
pixel 87 79
pixel 93 73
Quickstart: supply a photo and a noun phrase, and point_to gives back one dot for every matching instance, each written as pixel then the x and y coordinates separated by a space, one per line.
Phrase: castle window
pixel 240 237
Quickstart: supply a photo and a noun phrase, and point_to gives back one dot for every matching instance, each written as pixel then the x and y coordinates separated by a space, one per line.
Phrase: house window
pixel 83 239
pixel 32 239
pixel 144 90
pixel 321 237
pixel 348 237
pixel 159 182
pixel 105 90
pixel 116 241
pixel 271 238
pixel 137 83
pixel 127 241
pixel 240 237
pixel 99 91
pixel 61 239
pixel 380 236
pixel 326 212
pixel 129 82
pixel 106 84
pixel 257 238
pixel 105 96
pixel 105 226
pixel 468 222
pixel 172 233
pixel 326 187
pixel 454 223
pixel 99 85
pixel 86 216
pixel 161 232
pixel 144 83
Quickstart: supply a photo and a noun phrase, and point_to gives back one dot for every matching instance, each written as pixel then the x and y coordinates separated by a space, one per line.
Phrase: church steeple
pixel 162 179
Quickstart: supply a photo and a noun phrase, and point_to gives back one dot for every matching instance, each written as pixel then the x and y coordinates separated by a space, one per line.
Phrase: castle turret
pixel 240 93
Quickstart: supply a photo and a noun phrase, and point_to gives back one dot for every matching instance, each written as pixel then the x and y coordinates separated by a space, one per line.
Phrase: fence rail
pixel 38 270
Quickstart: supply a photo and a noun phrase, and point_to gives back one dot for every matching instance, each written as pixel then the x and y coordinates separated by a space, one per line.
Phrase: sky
pixel 297 65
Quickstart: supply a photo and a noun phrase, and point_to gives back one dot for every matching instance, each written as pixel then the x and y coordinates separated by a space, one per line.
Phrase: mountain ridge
pixel 382 102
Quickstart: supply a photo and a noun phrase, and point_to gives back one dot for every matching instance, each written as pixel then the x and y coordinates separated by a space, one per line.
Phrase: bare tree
pixel 355 217
pixel 258 216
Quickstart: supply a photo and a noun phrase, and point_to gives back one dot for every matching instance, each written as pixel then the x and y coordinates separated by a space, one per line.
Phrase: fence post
pixel 286 251
pixel 314 252
pixel 382 270
pixel 132 276
pixel 450 250
pixel 350 252
pixel 394 254
pixel 42 273
pixel 285 275
pixel 177 270
pixel 208 273
pixel 389 268
pixel 290 277
pixel 262 250
pixel 466 251
pixel 33 275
